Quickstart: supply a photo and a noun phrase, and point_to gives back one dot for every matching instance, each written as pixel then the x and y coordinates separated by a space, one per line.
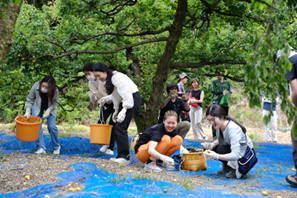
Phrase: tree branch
pixel 203 63
pixel 103 52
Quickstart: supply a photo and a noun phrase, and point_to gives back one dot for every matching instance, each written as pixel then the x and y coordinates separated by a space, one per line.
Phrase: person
pixel 160 142
pixel 177 104
pixel 97 91
pixel 126 102
pixel 183 79
pixel 219 88
pixel 291 77
pixel 195 101
pixel 43 99
pixel 267 105
pixel 231 142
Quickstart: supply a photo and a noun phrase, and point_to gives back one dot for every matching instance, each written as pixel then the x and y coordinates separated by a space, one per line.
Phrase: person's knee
pixel 165 140
pixel 178 140
pixel 52 128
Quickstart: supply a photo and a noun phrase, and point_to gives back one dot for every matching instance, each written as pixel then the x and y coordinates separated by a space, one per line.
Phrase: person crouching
pixel 160 142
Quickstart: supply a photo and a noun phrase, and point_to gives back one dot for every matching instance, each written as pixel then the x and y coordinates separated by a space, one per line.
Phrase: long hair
pixel 101 67
pixel 217 111
pixel 169 114
pixel 51 89
pixel 193 80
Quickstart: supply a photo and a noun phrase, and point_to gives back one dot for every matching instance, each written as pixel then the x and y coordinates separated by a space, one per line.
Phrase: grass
pixel 145 176
pixel 187 184
pixel 10 126
pixel 118 179
pixel 255 137
pixel 132 131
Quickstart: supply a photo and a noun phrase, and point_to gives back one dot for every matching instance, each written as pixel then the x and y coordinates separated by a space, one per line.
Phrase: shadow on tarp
pixel 275 161
pixel 100 183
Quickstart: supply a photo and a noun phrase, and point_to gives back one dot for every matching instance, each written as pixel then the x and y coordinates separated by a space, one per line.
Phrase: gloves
pixel 226 93
pixel 114 116
pixel 27 114
pixel 211 155
pixel 208 146
pixel 93 99
pixel 47 113
pixel 167 160
pixel 279 54
pixel 122 115
pixel 102 101
pixel 182 150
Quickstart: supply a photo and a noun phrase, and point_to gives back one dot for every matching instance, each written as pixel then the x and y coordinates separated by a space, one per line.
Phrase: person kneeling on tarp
pixel 155 143
pixel 231 144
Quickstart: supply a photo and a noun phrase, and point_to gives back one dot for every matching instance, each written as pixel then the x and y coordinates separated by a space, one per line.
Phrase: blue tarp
pixel 275 163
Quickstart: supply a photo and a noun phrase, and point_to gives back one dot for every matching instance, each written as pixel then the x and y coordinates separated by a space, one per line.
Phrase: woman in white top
pixel 231 144
pixel 97 91
pixel 126 100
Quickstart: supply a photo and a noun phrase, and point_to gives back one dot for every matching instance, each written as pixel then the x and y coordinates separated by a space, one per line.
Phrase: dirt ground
pixel 42 168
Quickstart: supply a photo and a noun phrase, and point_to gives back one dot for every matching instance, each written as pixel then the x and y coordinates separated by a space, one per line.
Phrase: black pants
pixel 108 111
pixel 222 149
pixel 214 132
pixel 121 128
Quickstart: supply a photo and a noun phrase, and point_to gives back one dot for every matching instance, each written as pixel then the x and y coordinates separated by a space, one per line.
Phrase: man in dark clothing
pixel 177 104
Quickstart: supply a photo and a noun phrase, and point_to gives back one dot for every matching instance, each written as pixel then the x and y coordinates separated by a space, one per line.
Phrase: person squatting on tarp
pixel 120 88
pixel 44 96
pixel 220 88
pixel 231 142
pixel 195 101
pixel 177 104
pixel 183 79
pixel 97 91
pixel 155 145
pixel 291 77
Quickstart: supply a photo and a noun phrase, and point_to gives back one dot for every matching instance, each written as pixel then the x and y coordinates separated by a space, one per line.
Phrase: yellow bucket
pixel 27 130
pixel 100 134
pixel 194 161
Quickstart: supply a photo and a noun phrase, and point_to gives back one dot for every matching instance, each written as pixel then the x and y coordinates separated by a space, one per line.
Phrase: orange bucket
pixel 100 134
pixel 27 130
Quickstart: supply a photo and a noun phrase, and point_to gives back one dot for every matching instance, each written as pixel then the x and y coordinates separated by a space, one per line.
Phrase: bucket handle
pixel 101 116
pixel 180 164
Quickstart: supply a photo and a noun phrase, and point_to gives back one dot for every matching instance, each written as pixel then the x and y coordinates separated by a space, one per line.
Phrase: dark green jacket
pixel 217 86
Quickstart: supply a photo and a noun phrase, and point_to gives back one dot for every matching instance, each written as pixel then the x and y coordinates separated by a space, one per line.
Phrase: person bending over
pixel 160 142
pixel 231 144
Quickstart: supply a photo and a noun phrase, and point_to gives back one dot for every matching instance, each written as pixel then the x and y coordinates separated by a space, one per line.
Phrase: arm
pixel 217 92
pixel 162 106
pixel 186 104
pixel 235 136
pixel 31 98
pixel 198 101
pixel 56 100
pixel 152 151
pixel 229 87
pixel 119 81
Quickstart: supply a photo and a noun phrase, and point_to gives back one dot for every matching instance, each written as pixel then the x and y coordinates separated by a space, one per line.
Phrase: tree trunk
pixel 7 27
pixel 165 61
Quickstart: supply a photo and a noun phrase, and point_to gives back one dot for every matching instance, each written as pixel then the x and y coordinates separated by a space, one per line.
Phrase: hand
pixel 167 160
pixel 183 150
pixel 226 93
pixel 279 54
pixel 27 114
pixel 211 155
pixel 46 113
pixel 114 116
pixel 102 101
pixel 93 99
pixel 208 146
pixel 184 97
pixel 122 115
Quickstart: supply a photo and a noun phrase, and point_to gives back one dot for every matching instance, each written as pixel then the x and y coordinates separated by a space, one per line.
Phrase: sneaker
pixel 122 161
pixel 153 167
pixel 231 175
pixel 57 152
pixel 104 148
pixel 226 169
pixel 112 159
pixel 109 152
pixel 292 180
pixel 40 151
pixel 205 138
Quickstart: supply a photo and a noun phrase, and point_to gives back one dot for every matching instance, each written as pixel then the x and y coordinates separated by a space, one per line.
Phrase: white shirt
pixel 124 88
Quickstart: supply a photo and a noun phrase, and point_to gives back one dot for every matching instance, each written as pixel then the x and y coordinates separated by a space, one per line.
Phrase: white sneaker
pixel 205 138
pixel 109 152
pixel 169 167
pixel 122 161
pixel 153 167
pixel 57 152
pixel 104 148
pixel 40 151
pixel 112 159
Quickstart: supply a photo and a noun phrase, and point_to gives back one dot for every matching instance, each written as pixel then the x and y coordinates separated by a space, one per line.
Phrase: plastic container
pixel 27 130
pixel 194 161
pixel 100 134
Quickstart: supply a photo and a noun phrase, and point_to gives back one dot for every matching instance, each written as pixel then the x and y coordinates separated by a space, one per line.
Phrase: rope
pixel 181 163
pixel 101 116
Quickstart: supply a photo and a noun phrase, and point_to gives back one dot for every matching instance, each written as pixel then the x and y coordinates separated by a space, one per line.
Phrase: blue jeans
pixel 52 128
